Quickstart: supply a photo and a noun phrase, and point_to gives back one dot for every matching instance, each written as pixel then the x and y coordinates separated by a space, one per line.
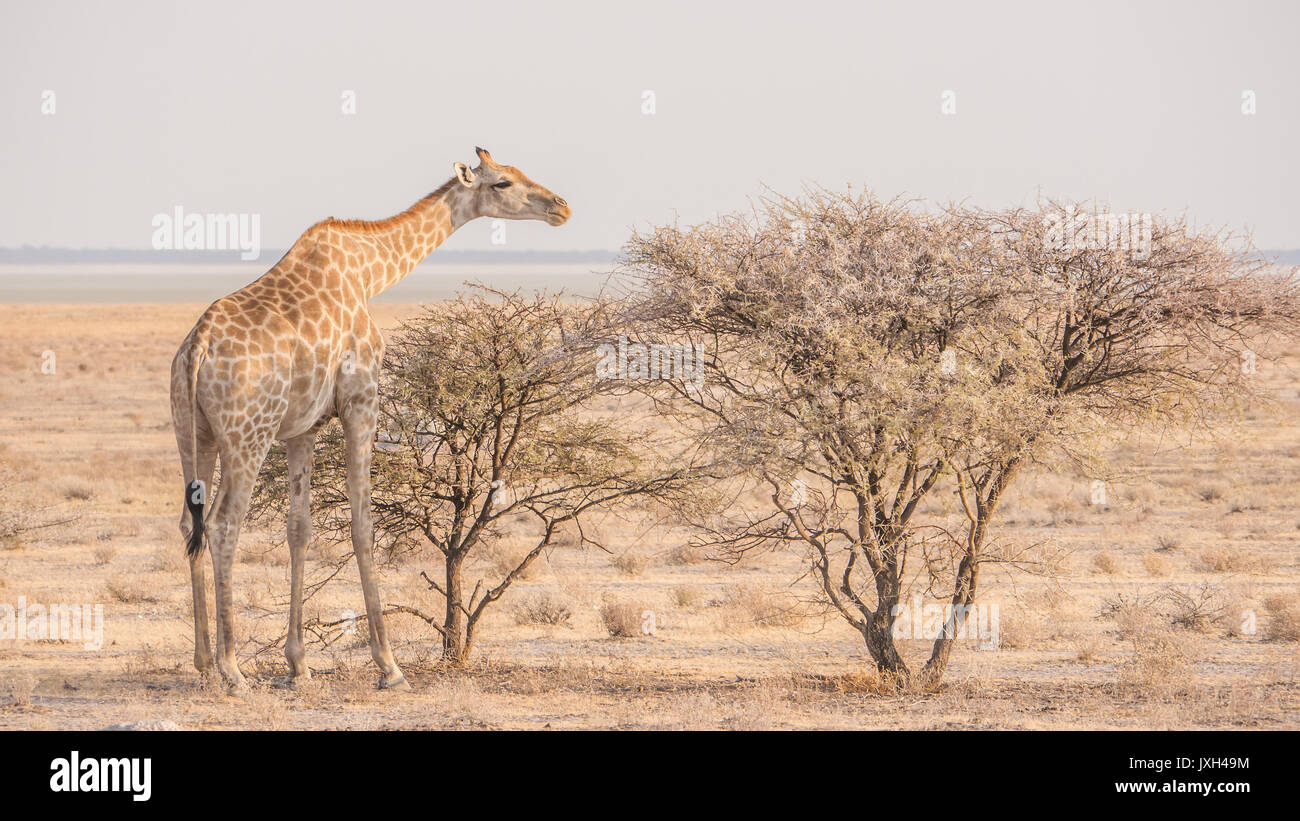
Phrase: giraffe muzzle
pixel 559 212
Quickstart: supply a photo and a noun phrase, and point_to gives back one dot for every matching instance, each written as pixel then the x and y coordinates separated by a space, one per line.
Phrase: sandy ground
pixel 93 442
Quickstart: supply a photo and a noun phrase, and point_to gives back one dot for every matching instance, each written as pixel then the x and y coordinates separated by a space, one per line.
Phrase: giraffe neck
pixel 414 234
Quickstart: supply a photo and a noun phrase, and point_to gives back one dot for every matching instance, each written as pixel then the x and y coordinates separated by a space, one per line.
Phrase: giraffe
pixel 278 359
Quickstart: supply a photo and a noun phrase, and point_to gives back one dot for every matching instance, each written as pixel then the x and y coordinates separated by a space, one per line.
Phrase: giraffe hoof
pixel 395 682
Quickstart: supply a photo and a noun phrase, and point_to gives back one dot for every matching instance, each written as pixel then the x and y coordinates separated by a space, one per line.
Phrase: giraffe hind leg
pixel 238 474
pixel 191 531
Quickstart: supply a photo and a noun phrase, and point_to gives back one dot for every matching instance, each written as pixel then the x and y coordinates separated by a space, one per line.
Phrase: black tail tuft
pixel 195 499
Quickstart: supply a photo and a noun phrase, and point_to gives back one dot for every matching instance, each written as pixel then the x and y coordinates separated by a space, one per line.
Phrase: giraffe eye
pixel 502 184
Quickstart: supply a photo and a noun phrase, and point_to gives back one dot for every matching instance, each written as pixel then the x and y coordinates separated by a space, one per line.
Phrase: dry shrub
pixel 764 608
pixel 1224 560
pixel 1156 657
pixel 1198 607
pixel 267 707
pixel 630 563
pixel 1284 619
pixel 1065 509
pixel 76 489
pixel 141 664
pixel 504 558
pixel 863 682
pixel 264 553
pixel 1154 565
pixel 685 555
pixel 687 596
pixel 1156 660
pixel 169 557
pixel 1104 562
pixel 1168 543
pixel 623 619
pixel 104 554
pixel 543 607
pixel 1087 650
pixel 129 591
pixel 1211 493
pixel 19 689
pixel 1019 629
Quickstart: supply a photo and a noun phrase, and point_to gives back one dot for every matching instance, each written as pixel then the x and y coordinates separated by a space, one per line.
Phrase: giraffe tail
pixel 196 491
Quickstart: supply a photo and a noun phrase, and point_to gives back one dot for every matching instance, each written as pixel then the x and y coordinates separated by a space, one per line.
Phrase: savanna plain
pixel 1175 604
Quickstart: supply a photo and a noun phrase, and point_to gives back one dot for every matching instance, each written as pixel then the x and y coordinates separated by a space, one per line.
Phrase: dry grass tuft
pixel 1104 562
pixel 129 591
pixel 623 619
pixel 686 555
pixel 630 563
pixel 761 607
pixel 863 682
pixel 1284 619
pixel 544 607
pixel 19 689
pixel 1154 565
pixel 1225 560
pixel 688 596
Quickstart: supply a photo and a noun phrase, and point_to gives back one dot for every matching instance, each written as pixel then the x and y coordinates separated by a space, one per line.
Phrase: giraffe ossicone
pixel 282 356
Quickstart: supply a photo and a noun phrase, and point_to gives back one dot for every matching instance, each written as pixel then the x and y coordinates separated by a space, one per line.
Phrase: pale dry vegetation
pixel 712 661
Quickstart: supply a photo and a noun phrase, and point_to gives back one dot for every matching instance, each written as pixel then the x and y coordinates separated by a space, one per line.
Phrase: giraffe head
pixel 505 192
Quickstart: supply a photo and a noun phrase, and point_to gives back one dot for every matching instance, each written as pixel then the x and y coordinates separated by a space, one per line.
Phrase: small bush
pixel 1156 659
pixel 19 689
pixel 630 563
pixel 169 557
pixel 128 592
pixel 1223 560
pixel 1104 562
pixel 1153 564
pixel 505 558
pixel 1211 493
pixel 765 608
pixel 1196 608
pixel 104 554
pixel 863 682
pixel 622 619
pixel 687 596
pixel 1284 619
pixel 542 608
pixel 75 489
pixel 1168 543
pixel 1086 650
pixel 684 555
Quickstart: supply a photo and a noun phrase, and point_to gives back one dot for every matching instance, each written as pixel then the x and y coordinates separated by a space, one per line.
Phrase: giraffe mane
pixel 387 222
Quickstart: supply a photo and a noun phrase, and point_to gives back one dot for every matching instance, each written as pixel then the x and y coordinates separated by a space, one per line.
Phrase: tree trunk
pixel 963 597
pixel 455 643
pixel 879 629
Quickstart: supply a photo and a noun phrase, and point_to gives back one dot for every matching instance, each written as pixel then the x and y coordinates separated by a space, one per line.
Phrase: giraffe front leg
pixel 299 452
pixel 359 434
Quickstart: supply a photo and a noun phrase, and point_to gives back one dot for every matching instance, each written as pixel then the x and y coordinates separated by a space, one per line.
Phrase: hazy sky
pixel 236 107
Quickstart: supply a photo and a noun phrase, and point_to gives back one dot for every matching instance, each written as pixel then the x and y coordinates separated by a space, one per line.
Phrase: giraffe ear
pixel 463 174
